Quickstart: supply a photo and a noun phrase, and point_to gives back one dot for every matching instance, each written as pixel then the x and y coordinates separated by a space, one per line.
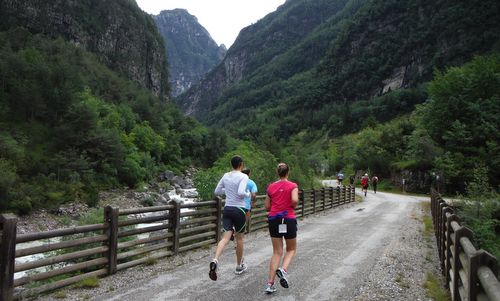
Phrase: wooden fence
pixel 470 274
pixel 126 238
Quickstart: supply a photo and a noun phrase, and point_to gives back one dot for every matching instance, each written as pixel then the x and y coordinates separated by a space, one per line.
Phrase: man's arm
pixel 219 190
pixel 242 188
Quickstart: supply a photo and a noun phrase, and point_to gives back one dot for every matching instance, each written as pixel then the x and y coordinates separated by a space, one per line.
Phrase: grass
pixel 151 261
pixel 401 281
pixel 435 290
pixel 91 282
pixel 60 295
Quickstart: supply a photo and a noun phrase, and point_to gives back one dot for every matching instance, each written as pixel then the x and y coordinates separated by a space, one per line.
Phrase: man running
pixel 233 184
pixel 252 189
pixel 374 183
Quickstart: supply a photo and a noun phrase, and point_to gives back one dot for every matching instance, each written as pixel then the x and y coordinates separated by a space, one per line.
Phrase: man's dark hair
pixel 282 170
pixel 236 161
pixel 246 171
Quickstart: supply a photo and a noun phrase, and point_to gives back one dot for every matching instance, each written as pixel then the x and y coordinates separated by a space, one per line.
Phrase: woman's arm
pixel 295 197
pixel 267 203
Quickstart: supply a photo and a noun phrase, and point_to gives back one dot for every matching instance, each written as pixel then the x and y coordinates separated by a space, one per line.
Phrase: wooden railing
pixel 470 274
pixel 126 238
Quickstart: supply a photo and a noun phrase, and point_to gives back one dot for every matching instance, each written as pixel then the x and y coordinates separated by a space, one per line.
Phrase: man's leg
pixel 226 237
pixel 239 247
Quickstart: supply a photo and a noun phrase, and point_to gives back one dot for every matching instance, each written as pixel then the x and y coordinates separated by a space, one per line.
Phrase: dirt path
pixel 373 250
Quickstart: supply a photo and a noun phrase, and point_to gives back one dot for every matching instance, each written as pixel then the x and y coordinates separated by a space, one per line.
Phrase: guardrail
pixel 470 274
pixel 126 238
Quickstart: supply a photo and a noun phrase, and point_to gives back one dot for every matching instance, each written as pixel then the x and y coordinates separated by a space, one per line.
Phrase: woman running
pixel 282 197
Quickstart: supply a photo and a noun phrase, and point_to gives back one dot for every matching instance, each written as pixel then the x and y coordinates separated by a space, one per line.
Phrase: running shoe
pixel 213 270
pixel 270 288
pixel 282 276
pixel 240 269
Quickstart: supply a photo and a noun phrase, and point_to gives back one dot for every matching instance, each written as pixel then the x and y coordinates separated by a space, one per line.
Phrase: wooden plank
pixel 199 212
pixel 144 220
pixel 146 240
pixel 35 292
pixel 197 229
pixel 197 236
pixel 198 204
pixel 60 232
pixel 60 245
pixel 60 258
pixel 60 271
pixel 197 245
pixel 139 261
pixel 199 220
pixel 143 250
pixel 143 230
pixel 144 210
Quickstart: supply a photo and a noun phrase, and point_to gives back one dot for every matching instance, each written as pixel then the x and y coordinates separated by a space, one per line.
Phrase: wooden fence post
pixel 176 225
pixel 331 197
pixel 338 196
pixel 349 194
pixel 445 230
pixel 218 220
pixel 111 218
pixel 301 200
pixel 353 193
pixel 456 265
pixel 323 197
pixel 313 194
pixel 8 224
pixel 446 263
pixel 474 264
pixel 345 194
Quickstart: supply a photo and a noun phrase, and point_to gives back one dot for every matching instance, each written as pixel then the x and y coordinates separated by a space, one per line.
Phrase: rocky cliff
pixel 117 31
pixel 191 51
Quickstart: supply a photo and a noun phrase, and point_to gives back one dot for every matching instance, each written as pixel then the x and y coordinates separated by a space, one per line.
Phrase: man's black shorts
pixel 234 217
pixel 291 228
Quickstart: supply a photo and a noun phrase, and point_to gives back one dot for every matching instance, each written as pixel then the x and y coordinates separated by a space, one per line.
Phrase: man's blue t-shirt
pixel 252 188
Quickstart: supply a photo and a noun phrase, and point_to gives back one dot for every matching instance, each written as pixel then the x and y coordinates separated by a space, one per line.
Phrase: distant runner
pixel 234 185
pixel 340 177
pixel 364 183
pixel 252 189
pixel 282 197
pixel 374 183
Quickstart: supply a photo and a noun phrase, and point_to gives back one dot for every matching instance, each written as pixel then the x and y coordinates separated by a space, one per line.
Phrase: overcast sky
pixel 222 18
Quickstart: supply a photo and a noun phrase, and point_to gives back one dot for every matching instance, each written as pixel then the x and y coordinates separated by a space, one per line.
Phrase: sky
pixel 222 18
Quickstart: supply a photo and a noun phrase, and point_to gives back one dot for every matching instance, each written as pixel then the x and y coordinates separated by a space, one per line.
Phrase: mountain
pixel 83 86
pixel 191 51
pixel 118 31
pixel 335 66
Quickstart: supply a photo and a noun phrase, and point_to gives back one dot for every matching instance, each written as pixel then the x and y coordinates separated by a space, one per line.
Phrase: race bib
pixel 282 228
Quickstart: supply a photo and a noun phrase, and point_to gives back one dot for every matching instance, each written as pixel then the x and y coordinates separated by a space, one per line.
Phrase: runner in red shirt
pixel 282 197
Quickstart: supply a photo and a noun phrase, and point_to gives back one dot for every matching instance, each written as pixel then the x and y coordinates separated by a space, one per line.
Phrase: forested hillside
pixel 385 46
pixel 70 126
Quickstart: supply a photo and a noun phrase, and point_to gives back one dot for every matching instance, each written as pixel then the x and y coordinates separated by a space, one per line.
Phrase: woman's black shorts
pixel 291 227
pixel 234 217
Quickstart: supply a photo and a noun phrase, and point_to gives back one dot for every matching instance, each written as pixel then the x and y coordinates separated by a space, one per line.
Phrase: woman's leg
pixel 291 249
pixel 275 259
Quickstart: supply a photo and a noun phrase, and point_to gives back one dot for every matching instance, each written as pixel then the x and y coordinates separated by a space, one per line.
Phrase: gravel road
pixel 371 250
